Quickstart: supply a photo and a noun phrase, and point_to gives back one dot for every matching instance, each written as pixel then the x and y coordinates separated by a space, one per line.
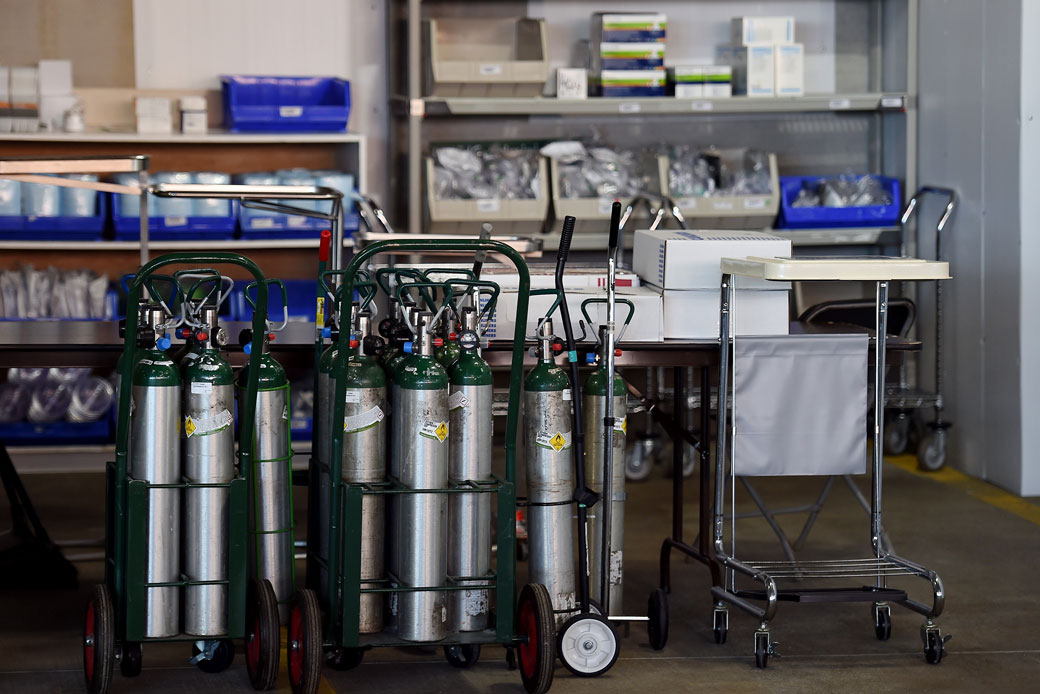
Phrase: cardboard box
pixel 629 27
pixel 572 83
pixel 153 114
pixel 193 115
pixel 754 68
pixel 718 81
pixel 694 314
pixel 692 259
pixel 688 80
pixel 646 325
pixel 790 69
pixel 750 30
pixel 629 56
pixel 632 83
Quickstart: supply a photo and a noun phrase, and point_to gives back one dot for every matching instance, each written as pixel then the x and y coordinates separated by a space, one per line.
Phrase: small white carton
pixel 790 69
pixel 572 83
pixel 718 81
pixel 688 80
pixel 749 30
pixel 692 259
pixel 754 68
pixel 694 314
pixel 153 114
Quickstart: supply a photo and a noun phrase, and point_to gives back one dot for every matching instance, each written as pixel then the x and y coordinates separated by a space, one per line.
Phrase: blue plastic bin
pixel 61 432
pixel 294 104
pixel 835 217
pixel 61 228
pixel 302 301
pixel 282 226
pixel 174 228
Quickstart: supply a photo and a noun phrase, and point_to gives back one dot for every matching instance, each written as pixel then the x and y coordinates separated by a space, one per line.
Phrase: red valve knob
pixel 617 352
pixel 184 333
pixel 270 337
pixel 452 336
pixel 354 343
pixel 438 342
pixel 557 347
pixel 201 335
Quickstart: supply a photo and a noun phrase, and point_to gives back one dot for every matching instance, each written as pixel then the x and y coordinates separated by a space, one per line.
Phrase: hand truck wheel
pixel 263 635
pixel 462 655
pixel 657 616
pixel 130 660
pixel 98 644
pixel 536 629
pixel 762 649
pixel 303 649
pixel 934 644
pixel 588 645
pixel 720 624
pixel 223 656
pixel 343 659
pixel 882 622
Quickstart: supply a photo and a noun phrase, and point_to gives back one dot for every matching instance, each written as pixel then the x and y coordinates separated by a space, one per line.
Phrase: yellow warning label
pixel 189 426
pixel 319 317
pixel 558 442
pixel 441 430
pixel 621 424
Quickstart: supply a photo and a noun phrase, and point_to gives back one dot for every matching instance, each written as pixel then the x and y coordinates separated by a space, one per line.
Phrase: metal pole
pixel 608 416
pixel 881 327
pixel 720 450
pixel 142 182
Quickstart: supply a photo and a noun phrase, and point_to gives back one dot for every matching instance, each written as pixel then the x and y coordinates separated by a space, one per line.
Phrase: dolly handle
pixel 285 301
pixel 565 241
pixel 615 227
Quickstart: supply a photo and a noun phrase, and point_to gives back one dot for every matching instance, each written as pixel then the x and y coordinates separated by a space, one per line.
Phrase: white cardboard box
pixel 692 259
pixel 748 30
pixel 790 69
pixel 754 68
pixel 646 323
pixel 694 314
pixel 572 83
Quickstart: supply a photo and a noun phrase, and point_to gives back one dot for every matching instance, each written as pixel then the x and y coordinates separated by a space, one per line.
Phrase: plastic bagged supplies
pixel 847 190
pixel 700 172
pixel 480 172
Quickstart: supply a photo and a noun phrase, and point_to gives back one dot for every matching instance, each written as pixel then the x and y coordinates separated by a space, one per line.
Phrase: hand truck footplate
pixel 862 594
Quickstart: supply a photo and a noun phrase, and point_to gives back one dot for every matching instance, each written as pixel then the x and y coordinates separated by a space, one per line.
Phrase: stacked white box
pixel 685 267
pixel 766 58
pixel 628 53
pixel 769 30
pixel 754 68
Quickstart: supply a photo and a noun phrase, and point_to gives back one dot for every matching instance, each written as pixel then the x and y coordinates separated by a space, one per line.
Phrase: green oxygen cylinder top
pixel 154 367
pixel 419 370
pixel 469 369
pixel 546 375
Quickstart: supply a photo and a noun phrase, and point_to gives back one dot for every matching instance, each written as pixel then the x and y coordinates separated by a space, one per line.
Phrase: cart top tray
pixel 874 268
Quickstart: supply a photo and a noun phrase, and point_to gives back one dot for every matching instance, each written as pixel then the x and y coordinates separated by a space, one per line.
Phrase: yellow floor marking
pixel 979 489
pixel 324 687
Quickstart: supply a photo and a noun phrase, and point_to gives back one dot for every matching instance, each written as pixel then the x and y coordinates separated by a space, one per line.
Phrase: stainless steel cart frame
pixel 883 564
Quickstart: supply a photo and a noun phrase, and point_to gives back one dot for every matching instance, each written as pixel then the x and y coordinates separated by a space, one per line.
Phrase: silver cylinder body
pixel 155 456
pixel 593 409
pixel 322 450
pixel 469 515
pixel 550 480
pixel 364 460
pixel 270 500
pixel 421 547
pixel 209 458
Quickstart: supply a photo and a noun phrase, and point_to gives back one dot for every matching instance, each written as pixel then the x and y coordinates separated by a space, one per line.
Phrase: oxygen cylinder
pixel 448 353
pixel 420 421
pixel 209 458
pixel 470 424
pixel 155 456
pixel 364 460
pixel 550 476
pixel 594 394
pixel 270 549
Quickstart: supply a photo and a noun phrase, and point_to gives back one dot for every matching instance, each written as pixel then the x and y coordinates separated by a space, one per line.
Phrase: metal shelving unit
pixel 868 123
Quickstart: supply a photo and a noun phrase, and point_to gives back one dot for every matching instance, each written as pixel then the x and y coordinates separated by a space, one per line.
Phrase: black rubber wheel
pixel 588 645
pixel 98 644
pixel 897 433
pixel 761 650
pixel 130 660
pixel 720 627
pixel 343 659
pixel 882 624
pixel 462 655
pixel 536 627
pixel 657 614
pixel 223 656
pixel 931 450
pixel 263 635
pixel 303 647
pixel 934 649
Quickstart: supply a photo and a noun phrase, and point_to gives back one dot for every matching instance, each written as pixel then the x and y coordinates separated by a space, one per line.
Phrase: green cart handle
pixel 175 291
pixel 460 271
pixel 202 276
pixel 383 274
pixel 285 303
pixel 449 295
pixel 602 300
pixel 474 284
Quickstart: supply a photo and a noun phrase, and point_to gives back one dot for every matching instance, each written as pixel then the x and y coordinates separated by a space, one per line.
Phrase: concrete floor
pixel 984 544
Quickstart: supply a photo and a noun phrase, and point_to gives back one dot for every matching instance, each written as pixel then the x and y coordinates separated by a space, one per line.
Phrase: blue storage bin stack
pixel 176 219
pixel 297 104
pixel 263 224
pixel 792 217
pixel 42 212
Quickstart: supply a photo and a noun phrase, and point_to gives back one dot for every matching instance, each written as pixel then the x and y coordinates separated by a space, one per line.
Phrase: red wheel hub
pixel 528 650
pixel 253 645
pixel 296 645
pixel 89 639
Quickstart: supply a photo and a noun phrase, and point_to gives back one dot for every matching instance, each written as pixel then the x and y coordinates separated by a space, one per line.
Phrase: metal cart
pixel 882 564
pixel 530 629
pixel 115 620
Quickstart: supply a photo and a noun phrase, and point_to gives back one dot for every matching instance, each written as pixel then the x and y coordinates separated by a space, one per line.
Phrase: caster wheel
pixel 98 644
pixel 934 645
pixel 223 656
pixel 263 635
pixel 720 625
pixel 462 655
pixel 342 659
pixel 639 462
pixel 762 649
pixel 657 614
pixel 588 645
pixel 303 647
pixel 882 622
pixel 897 433
pixel 130 660
pixel 931 451
pixel 536 628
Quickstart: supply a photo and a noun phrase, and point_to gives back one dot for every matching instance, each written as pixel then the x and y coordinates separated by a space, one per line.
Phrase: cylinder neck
pixel 364 329
pixel 154 318
pixel 545 342
pixel 424 339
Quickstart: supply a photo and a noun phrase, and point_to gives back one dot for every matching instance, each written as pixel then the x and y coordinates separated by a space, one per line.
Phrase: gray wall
pixel 970 74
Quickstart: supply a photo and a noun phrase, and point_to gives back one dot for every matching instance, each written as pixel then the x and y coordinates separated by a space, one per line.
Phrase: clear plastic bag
pixel 482 172
pixel 847 190
pixel 700 172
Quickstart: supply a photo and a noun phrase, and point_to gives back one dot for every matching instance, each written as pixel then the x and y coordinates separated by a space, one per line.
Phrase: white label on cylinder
pixel 621 424
pixel 207 425
pixel 490 69
pixel 615 568
pixel 285 412
pixel 555 441
pixel 438 431
pixel 201 388
pixel 457 400
pixel 363 421
pixel 567 394
pixel 475 602
pixel 352 396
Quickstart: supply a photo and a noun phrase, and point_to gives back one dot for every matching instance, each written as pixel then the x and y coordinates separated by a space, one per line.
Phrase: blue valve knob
pixel 590 358
pixel 163 343
pixel 326 331
pixel 248 348
pixel 408 347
